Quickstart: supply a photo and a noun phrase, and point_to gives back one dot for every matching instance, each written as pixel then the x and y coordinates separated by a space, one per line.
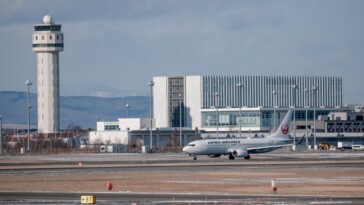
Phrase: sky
pixel 121 45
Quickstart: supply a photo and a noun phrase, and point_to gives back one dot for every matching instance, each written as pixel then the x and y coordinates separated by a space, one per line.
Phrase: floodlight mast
pixel 151 84
pixel 240 85
pixel 216 94
pixel 28 83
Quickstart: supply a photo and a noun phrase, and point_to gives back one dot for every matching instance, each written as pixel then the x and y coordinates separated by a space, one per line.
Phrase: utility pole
pixel 274 109
pixel 180 119
pixel 28 83
pixel 151 84
pixel 314 89
pixel 306 108
pixel 294 88
pixel 217 113
pixel 1 136
pixel 127 107
pixel 240 85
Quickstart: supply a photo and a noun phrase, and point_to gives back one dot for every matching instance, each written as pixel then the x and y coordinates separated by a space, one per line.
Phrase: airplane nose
pixel 184 149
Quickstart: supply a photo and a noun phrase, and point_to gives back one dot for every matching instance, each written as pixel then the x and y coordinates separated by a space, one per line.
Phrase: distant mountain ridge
pixel 74 110
pixel 97 90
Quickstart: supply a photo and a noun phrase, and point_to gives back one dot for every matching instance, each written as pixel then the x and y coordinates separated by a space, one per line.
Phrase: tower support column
pixel 47 43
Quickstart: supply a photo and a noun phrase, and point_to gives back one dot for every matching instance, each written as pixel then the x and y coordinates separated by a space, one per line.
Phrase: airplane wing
pixel 266 148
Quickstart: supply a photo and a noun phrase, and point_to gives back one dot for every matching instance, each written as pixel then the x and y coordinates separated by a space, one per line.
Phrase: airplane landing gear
pixel 231 157
pixel 247 157
pixel 194 158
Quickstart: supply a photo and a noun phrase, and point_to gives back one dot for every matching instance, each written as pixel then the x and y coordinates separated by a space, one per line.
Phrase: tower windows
pixel 45 45
pixel 50 37
pixel 36 37
pixel 42 37
pixel 57 37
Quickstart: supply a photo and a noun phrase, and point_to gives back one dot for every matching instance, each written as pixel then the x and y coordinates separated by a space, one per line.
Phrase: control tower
pixel 47 43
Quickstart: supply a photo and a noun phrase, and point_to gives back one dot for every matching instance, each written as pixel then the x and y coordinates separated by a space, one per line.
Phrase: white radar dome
pixel 47 19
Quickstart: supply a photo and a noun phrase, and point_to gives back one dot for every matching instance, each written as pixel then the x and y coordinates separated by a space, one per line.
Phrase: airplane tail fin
pixel 283 129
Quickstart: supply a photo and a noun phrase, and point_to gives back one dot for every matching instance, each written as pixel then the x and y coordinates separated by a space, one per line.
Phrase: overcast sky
pixel 123 44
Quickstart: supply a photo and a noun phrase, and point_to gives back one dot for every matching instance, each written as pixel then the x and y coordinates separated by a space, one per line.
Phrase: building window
pixel 111 127
pixel 42 37
pixel 57 37
pixel 56 45
pixel 36 37
pixel 50 37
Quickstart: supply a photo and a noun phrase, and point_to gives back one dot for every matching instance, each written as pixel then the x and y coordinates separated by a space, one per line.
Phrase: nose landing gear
pixel 193 157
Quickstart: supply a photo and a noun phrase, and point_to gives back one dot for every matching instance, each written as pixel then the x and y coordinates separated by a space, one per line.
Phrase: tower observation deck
pixel 47 43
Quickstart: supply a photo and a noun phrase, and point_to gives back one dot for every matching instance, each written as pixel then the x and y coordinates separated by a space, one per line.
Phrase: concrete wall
pixel 109 137
pixel 193 101
pixel 100 126
pixel 160 98
pixel 134 123
pixel 338 116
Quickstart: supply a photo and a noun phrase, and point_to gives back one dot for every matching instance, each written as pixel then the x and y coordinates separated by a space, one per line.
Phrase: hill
pixel 83 111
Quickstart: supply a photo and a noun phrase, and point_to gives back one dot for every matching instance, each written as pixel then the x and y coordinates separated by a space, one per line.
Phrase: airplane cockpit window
pixel 191 145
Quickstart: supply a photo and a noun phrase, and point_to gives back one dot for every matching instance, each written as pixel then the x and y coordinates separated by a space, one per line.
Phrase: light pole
pixel 240 85
pixel 151 84
pixel 127 107
pixel 28 83
pixel 1 136
pixel 294 88
pixel 180 119
pixel 314 89
pixel 274 109
pixel 306 108
pixel 217 113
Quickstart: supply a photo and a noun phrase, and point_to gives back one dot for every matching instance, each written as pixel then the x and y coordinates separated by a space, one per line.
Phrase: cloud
pixel 122 44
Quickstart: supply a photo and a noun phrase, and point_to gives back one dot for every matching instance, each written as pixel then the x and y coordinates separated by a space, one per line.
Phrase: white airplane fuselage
pixel 226 146
pixel 240 147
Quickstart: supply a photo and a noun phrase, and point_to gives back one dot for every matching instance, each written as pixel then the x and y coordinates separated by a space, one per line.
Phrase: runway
pixel 304 178
pixel 169 198
pixel 110 167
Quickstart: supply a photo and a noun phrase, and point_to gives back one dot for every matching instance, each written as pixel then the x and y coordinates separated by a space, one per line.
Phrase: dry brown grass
pixel 302 181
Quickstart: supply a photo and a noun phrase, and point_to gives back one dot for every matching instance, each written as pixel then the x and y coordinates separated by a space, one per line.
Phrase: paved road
pixel 111 167
pixel 145 198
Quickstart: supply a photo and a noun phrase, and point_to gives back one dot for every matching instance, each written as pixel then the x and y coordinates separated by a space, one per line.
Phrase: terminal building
pixel 186 108
pixel 249 103
pixel 136 132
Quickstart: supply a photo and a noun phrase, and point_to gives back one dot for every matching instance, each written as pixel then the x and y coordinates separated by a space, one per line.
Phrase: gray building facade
pixel 218 102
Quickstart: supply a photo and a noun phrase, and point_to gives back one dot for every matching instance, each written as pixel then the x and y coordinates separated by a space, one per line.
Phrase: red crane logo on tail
pixel 285 129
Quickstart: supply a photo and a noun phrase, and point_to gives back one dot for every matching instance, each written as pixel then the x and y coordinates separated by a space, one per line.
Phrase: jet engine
pixel 240 153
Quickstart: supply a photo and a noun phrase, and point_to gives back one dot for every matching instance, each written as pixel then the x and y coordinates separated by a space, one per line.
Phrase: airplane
pixel 238 147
